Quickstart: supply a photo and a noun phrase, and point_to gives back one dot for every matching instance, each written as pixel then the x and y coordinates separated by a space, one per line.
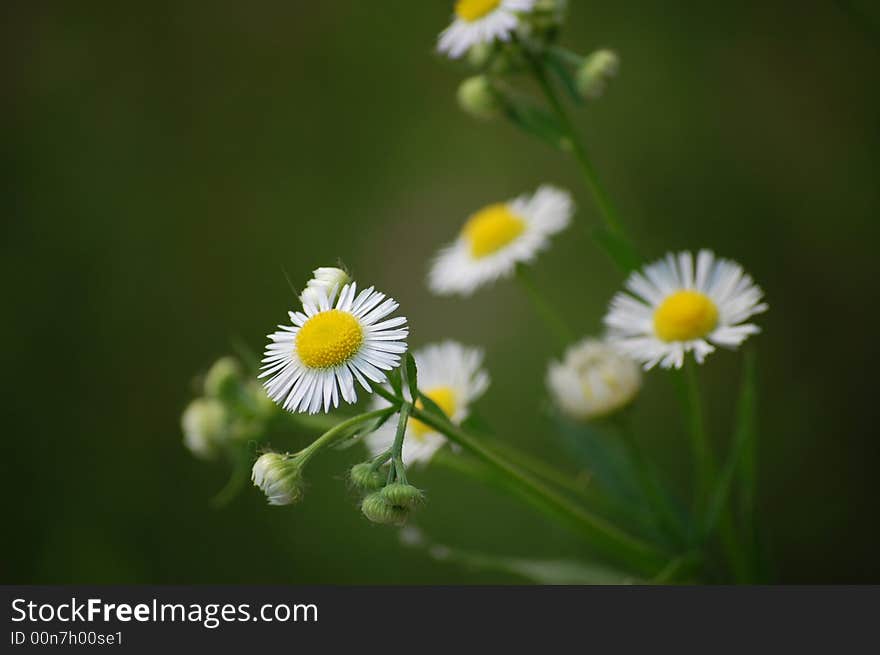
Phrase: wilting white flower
pixel 327 281
pixel 498 237
pixel 316 360
pixel 279 477
pixel 451 375
pixel 481 21
pixel 205 426
pixel 675 307
pixel 593 380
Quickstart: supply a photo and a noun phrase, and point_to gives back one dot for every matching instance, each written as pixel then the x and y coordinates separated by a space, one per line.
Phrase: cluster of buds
pixel 231 411
pixel 385 502
pixel 532 48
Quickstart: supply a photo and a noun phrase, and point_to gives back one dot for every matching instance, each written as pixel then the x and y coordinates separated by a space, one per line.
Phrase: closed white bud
pixel 477 97
pixel 594 73
pixel 205 426
pixel 593 380
pixel 280 478
pixel 325 281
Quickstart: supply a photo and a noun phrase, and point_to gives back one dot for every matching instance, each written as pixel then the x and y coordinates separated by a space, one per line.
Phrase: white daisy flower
pixel 452 376
pixel 497 238
pixel 317 359
pixel 593 380
pixel 326 280
pixel 480 21
pixel 675 307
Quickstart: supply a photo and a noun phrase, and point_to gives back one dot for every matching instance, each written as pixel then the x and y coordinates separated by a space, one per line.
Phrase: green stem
pixel 705 469
pixel 606 537
pixel 616 243
pixel 545 310
pixel 397 447
pixel 340 429
pixel 703 462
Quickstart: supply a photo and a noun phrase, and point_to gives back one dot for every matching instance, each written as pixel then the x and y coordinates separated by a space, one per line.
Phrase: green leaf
pixel 412 376
pixel 539 571
pixel 433 408
pixel 558 67
pixel 741 457
pixel 536 121
pixel 395 381
pixel 617 248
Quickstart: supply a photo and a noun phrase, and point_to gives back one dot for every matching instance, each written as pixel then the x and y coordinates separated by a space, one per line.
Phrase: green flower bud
pixel 259 398
pixel 477 98
pixel 280 478
pixel 480 53
pixel 403 495
pixel 205 426
pixel 379 510
pixel 364 477
pixel 593 75
pixel 223 378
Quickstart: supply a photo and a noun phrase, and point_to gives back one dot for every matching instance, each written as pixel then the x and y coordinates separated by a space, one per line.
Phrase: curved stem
pixel 606 537
pixel 621 249
pixel 553 319
pixel 340 429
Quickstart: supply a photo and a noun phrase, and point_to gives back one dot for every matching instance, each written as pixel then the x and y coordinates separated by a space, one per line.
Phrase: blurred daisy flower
pixel 317 359
pixel 675 307
pixel 451 375
pixel 480 21
pixel 593 380
pixel 497 238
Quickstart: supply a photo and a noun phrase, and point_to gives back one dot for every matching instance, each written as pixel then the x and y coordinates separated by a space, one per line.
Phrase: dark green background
pixel 165 160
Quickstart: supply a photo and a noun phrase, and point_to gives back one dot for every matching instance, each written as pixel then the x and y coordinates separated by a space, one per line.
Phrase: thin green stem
pixel 551 317
pixel 340 429
pixel 397 447
pixel 605 536
pixel 703 461
pixel 616 242
pixel 665 517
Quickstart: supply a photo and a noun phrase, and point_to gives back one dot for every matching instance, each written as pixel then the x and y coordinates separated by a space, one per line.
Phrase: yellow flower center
pixel 492 228
pixel 471 10
pixel 444 398
pixel 329 339
pixel 685 315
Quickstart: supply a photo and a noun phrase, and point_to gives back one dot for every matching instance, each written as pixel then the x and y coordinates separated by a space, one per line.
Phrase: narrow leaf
pixel 412 376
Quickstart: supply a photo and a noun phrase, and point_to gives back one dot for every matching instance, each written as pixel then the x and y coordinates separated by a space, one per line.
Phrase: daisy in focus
pixel 674 307
pixel 593 380
pixel 480 21
pixel 498 237
pixel 451 375
pixel 333 342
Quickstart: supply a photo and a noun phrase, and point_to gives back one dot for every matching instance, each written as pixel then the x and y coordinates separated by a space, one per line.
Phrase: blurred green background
pixel 164 161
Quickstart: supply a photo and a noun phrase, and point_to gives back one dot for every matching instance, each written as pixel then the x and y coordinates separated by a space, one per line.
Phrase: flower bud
pixel 223 378
pixel 477 98
pixel 379 510
pixel 259 399
pixel 325 281
pixel 593 380
pixel 479 54
pixel 205 426
pixel 364 477
pixel 403 495
pixel 280 478
pixel 594 73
